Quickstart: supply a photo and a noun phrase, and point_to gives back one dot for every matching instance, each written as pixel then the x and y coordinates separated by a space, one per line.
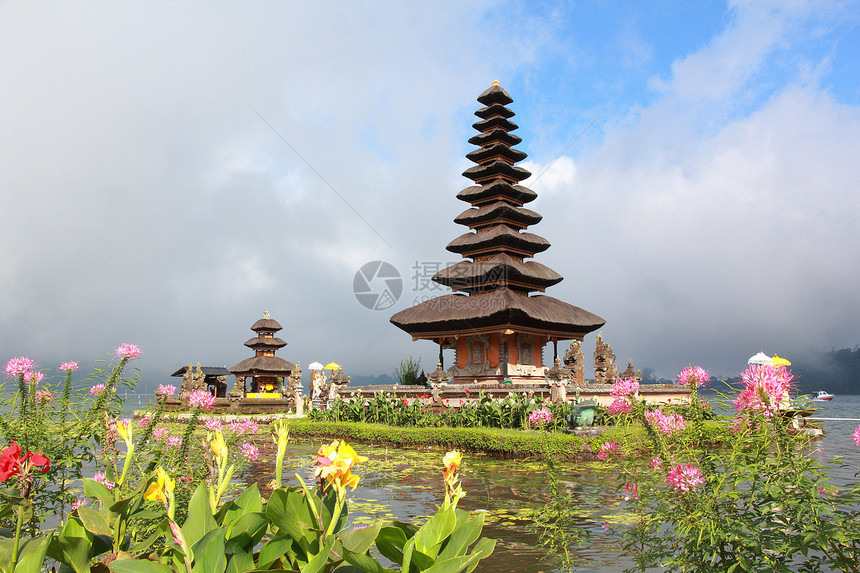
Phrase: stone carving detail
pixel 574 361
pixel 631 372
pixel 293 391
pixel 191 381
pixel 605 369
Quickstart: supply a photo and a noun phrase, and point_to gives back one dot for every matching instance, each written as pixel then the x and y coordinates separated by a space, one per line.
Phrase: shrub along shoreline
pixel 504 443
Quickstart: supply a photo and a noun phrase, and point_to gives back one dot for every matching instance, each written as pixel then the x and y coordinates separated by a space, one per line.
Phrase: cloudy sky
pixel 169 171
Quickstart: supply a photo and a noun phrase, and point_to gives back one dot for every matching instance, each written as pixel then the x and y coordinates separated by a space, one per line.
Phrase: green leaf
pixel 390 542
pixel 318 561
pixel 72 550
pixel 200 520
pixel 431 535
pixel 99 491
pixel 465 534
pixel 273 550
pixel 94 521
pixel 209 556
pixel 360 540
pixel 247 532
pixel 32 554
pixel 364 562
pixel 138 566
pixel 240 562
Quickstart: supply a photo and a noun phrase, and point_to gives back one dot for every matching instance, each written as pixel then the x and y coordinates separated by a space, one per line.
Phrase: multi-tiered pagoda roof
pixel 494 286
pixel 264 346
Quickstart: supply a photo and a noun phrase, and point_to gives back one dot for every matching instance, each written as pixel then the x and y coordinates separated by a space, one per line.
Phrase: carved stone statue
pixel 293 391
pixel 605 369
pixel 317 385
pixel 575 362
pixel 191 381
pixel 558 376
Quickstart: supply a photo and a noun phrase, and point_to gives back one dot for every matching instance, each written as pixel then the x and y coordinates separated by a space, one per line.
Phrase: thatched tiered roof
pixel 264 345
pixel 496 280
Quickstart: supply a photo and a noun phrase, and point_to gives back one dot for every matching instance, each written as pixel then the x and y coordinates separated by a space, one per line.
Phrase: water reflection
pixel 407 485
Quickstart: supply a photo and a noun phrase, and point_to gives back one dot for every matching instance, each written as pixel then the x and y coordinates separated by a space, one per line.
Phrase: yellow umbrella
pixel 779 361
pixel 332 366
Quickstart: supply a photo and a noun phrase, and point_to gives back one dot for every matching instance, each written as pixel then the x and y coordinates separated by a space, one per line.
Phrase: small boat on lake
pixel 821 396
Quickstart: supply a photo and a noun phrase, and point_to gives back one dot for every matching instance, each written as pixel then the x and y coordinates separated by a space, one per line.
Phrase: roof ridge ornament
pixel 496 83
pixel 266 314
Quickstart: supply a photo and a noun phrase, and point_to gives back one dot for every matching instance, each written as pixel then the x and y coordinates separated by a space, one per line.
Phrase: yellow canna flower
pixel 123 431
pixel 451 463
pixel 219 448
pixel 162 488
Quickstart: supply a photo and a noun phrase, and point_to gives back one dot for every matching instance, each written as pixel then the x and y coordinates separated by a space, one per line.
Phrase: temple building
pixel 263 375
pixel 495 323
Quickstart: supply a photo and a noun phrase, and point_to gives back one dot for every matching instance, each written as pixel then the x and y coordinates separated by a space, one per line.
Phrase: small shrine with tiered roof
pixel 495 323
pixel 264 374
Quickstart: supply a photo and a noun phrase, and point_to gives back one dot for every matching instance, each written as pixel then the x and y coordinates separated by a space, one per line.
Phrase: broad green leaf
pixel 273 550
pixel 74 551
pixel 431 535
pixel 467 532
pixel 247 532
pixel 318 561
pixel 200 520
pixel 364 562
pixel 483 548
pixel 97 490
pixel 32 554
pixel 138 566
pixel 240 562
pixel 209 556
pixel 390 542
pixel 360 540
pixel 94 521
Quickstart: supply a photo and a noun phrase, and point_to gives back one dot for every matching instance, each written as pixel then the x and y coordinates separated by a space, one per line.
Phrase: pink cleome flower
pixel 766 387
pixel 693 375
pixel 144 421
pixel 624 387
pixel 202 399
pixel 668 424
pixel 250 451
pixel 81 501
pixel 34 377
pixel 607 450
pixel 160 433
pixel 128 351
pixel 856 436
pixel 243 427
pixel 43 396
pixel 69 366
pixel 656 463
pixel 632 491
pixel 97 389
pixel 685 477
pixel 174 441
pixel 619 406
pixel 165 390
pixel 213 424
pixel 19 366
pixel 101 478
pixel 540 417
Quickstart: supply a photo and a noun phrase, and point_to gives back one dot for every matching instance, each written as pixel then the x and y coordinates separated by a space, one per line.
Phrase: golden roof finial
pixel 496 83
pixel 266 314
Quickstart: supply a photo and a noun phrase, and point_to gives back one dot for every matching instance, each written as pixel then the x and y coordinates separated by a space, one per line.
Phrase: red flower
pixel 11 463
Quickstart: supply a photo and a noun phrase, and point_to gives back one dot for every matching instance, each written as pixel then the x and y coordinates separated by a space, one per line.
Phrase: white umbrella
pixel 761 358
pixel 315 366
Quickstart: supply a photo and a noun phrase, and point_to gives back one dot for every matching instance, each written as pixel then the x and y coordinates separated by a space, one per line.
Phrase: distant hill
pixel 837 371
pixel 379 380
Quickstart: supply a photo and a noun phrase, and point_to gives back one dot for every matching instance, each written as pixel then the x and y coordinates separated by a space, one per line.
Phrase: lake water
pixel 407 485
